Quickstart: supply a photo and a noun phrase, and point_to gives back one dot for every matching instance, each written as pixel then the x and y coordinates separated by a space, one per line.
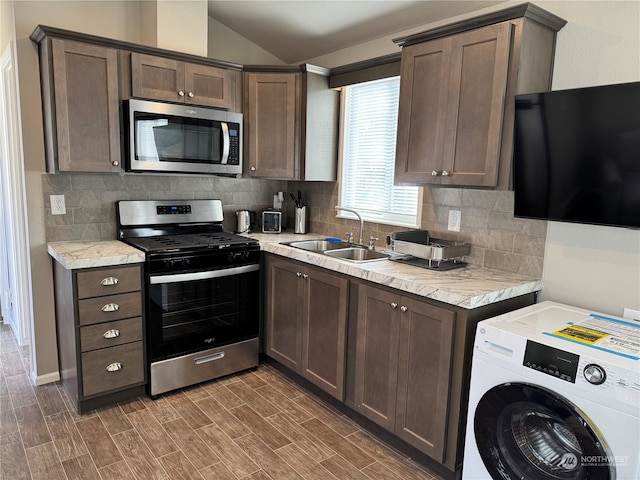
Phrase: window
pixel 370 121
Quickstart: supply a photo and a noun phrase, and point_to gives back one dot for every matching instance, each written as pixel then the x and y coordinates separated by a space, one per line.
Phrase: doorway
pixel 15 263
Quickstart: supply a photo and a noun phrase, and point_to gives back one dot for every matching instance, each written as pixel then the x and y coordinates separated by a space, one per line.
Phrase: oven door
pixel 190 312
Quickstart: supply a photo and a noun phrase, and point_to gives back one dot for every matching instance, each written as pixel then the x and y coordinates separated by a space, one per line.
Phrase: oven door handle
pixel 188 277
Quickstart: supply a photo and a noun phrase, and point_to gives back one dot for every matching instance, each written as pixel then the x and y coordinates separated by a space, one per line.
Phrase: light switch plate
pixel 57 205
pixel 454 220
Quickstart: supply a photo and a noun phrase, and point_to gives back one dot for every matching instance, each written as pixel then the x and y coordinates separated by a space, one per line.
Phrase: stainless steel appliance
pixel 271 221
pixel 201 291
pixel 245 221
pixel 165 137
pixel 421 250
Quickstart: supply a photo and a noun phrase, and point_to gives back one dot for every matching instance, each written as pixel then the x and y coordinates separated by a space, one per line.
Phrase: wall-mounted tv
pixel 577 155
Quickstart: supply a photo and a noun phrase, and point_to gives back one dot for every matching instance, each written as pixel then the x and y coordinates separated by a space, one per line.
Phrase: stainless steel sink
pixel 355 254
pixel 342 251
pixel 319 246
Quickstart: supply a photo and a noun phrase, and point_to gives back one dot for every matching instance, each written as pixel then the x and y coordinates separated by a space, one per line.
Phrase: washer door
pixel 524 431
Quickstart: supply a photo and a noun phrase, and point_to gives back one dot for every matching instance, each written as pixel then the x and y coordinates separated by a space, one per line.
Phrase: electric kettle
pixel 245 221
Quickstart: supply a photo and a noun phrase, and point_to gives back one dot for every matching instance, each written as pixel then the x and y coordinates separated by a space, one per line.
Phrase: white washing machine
pixel 555 394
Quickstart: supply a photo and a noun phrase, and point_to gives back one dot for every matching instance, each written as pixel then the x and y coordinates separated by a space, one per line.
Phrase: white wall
pixel 592 266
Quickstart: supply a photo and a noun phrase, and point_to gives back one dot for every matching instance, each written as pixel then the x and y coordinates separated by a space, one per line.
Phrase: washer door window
pixel 527 432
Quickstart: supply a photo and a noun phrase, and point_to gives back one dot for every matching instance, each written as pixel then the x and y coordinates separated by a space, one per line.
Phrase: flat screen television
pixel 577 155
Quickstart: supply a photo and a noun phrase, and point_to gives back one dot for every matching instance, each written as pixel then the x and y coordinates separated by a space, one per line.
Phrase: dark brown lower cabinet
pixel 399 360
pixel 306 322
pixel 403 362
pixel 100 334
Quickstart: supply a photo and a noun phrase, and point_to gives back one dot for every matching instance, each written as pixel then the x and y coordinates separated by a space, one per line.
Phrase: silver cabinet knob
pixel 445 173
pixel 394 305
pixel 110 307
pixel 434 173
pixel 115 163
pixel 113 333
pixel 298 274
pixel 253 169
pixel 108 281
pixel 190 94
pixel 403 308
pixel 114 367
pixel 305 276
pixel 180 93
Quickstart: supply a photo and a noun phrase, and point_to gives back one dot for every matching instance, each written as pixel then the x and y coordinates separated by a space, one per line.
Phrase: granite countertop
pixel 72 255
pixel 469 287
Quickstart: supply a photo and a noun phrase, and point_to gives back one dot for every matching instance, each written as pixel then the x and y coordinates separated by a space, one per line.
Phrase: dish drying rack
pixel 421 250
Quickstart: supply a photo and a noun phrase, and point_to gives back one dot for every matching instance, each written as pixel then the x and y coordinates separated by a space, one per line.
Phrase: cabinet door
pixel 377 355
pixel 87 107
pixel 425 352
pixel 421 115
pixel 477 89
pixel 209 86
pixel 324 329
pixel 157 78
pixel 283 317
pixel 271 124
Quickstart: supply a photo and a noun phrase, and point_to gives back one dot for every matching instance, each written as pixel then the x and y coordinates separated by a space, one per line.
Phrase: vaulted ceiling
pixel 298 30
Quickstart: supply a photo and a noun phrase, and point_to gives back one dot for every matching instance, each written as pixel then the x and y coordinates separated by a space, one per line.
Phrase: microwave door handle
pixel 225 142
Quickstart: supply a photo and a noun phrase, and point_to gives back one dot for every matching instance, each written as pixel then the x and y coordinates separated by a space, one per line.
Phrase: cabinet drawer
pixel 113 307
pixel 108 281
pixel 127 361
pixel 110 334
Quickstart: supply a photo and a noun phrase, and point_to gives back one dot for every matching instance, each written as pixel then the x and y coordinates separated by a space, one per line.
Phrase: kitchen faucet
pixel 350 210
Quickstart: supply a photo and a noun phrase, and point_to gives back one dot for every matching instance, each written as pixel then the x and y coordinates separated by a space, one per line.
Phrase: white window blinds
pixel 368 156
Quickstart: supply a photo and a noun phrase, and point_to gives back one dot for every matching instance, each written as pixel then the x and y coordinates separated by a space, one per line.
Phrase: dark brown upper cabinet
pixel 457 89
pixel 81 106
pixel 290 124
pixel 171 80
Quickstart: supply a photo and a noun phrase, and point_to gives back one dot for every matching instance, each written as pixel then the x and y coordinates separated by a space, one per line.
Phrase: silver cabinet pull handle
pixel 445 173
pixel 114 367
pixel 394 305
pixel 304 275
pixel 298 274
pixel 109 281
pixel 111 307
pixel 180 93
pixel 113 333
pixel 403 308
pixel 190 94
pixel 434 173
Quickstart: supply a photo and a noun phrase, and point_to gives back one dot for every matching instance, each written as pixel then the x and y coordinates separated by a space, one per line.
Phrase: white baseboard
pixel 38 380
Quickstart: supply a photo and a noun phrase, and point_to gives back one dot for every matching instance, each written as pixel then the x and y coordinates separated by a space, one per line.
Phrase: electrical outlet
pixel 455 216
pixel 57 205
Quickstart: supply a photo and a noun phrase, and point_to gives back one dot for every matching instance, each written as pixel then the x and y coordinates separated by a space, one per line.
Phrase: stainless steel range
pixel 202 291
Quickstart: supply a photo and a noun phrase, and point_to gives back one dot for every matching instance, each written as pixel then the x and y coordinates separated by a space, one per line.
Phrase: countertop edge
pixel 89 254
pixel 469 288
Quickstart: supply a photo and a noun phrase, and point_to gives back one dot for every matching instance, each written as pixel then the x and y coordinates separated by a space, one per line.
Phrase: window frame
pixel 341 166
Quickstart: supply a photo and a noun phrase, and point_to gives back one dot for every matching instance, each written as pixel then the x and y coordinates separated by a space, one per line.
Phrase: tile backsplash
pixel 498 240
pixel 90 199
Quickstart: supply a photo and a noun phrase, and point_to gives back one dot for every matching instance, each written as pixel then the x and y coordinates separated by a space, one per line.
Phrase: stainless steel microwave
pixel 167 137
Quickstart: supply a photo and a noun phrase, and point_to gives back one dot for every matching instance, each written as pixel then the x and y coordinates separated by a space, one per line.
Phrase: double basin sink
pixel 344 251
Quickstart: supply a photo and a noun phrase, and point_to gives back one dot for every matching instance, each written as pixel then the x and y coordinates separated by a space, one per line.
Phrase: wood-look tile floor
pixel 254 425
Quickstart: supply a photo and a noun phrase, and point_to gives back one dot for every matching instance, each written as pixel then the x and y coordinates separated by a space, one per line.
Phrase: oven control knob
pixel 176 263
pixel 594 374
